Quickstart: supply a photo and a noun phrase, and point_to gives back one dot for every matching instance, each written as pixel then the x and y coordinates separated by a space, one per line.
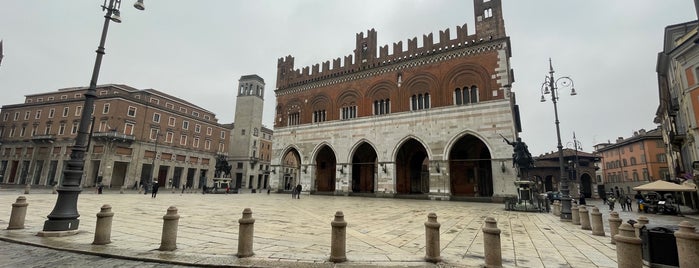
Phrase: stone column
pixel 337 239
pixel 103 228
pixel 614 222
pixel 628 248
pixel 245 234
pixel 575 215
pixel 169 237
pixel 640 222
pixel 27 188
pixel 18 214
pixel 687 245
pixel 432 248
pixel 491 243
pixel 597 223
pixel 584 218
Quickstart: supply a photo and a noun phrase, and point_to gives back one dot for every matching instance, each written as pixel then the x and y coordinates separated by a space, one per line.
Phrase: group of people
pixel 624 201
pixel 295 192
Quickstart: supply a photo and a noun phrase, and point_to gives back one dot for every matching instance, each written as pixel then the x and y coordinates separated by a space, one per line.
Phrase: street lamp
pixel 550 86
pixel 64 216
pixel 155 155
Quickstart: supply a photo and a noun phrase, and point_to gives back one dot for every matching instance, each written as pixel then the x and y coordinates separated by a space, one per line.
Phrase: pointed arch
pixel 412 167
pixel 364 165
pixel 470 166
pixel 325 161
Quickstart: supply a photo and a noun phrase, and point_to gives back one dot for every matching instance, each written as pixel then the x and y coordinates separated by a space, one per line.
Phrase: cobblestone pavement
pixel 15 255
pixel 296 232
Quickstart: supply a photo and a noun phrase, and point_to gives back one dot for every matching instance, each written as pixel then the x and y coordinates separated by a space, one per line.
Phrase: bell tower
pixel 247 128
pixel 489 21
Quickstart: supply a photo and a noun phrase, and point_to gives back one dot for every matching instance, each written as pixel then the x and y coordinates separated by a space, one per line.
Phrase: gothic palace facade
pixel 422 122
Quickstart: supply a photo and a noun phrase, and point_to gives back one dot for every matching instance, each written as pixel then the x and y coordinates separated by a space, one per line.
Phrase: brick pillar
pixel 491 243
pixel 628 248
pixel 103 228
pixel 338 236
pixel 169 237
pixel 432 248
pixel 687 245
pixel 584 218
pixel 18 214
pixel 614 222
pixel 245 234
pixel 597 223
pixel 575 214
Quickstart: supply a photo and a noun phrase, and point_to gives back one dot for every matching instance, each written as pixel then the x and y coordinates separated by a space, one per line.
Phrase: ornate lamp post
pixel 550 86
pixel 64 216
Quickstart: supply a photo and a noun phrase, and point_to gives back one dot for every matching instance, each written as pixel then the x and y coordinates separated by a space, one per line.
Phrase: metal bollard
pixel 597 223
pixel 27 188
pixel 491 243
pixel 169 238
pixel 628 248
pixel 687 245
pixel 614 222
pixel 575 215
pixel 432 248
pixel 19 212
pixel 640 222
pixel 103 228
pixel 245 234
pixel 584 218
pixel 337 240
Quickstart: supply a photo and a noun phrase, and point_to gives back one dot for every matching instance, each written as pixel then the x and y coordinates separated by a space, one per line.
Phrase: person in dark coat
pixel 155 189
pixel 298 191
pixel 582 200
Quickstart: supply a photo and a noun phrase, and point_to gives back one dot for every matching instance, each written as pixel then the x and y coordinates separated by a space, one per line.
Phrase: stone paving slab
pixel 296 232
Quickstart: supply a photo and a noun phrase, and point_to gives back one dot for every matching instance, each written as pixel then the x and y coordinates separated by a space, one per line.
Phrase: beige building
pixel 137 136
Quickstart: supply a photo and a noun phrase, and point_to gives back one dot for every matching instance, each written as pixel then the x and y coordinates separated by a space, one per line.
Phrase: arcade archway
pixel 412 168
pixel 290 167
pixel 470 168
pixel 363 169
pixel 325 170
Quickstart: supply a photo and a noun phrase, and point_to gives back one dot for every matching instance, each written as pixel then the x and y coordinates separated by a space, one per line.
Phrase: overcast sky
pixel 197 51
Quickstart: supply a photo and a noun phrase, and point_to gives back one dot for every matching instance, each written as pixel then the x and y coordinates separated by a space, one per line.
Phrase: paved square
pixel 296 232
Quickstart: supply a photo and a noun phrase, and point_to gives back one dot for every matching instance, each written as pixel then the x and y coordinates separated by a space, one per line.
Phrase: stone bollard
pixel 575 215
pixel 122 189
pixel 337 240
pixel 491 243
pixel 432 248
pixel 557 208
pixel 640 222
pixel 19 212
pixel 169 237
pixel 27 188
pixel 55 188
pixel 103 228
pixel 597 223
pixel 614 222
pixel 628 248
pixel 584 218
pixel 687 245
pixel 245 234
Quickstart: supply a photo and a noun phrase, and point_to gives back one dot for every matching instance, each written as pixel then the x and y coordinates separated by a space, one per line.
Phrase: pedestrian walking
pixel 183 187
pixel 298 191
pixel 155 189
pixel 611 200
pixel 629 203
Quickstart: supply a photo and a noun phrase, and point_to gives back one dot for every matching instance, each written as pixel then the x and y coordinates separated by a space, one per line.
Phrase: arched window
pixel 420 101
pixel 474 94
pixel 457 97
pixel 382 107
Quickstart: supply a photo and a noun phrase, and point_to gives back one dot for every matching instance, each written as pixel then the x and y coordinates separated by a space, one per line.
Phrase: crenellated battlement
pixel 489 26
